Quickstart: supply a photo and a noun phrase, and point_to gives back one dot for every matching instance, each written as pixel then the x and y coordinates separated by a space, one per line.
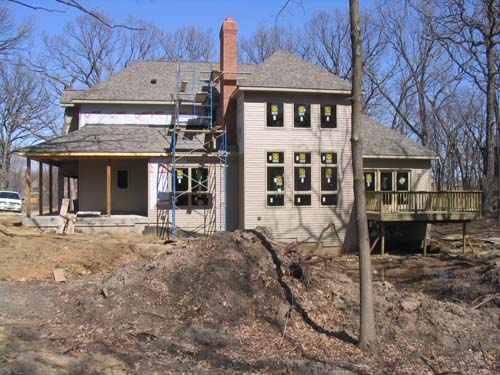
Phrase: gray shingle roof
pixel 284 70
pixel 68 96
pixel 117 139
pixel 107 138
pixel 281 70
pixel 134 83
pixel 379 140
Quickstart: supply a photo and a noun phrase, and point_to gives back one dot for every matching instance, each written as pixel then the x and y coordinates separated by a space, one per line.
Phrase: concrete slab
pixel 116 224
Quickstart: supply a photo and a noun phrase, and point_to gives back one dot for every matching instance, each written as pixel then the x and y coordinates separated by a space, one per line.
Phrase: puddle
pixel 409 272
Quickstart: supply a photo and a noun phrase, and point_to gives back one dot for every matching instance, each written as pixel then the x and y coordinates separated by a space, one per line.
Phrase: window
pixel 329 188
pixel 275 115
pixel 402 186
pixel 191 187
pixel 276 157
pixel 275 179
pixel 395 181
pixel 402 181
pixel 328 116
pixel 199 187
pixel 385 181
pixel 369 178
pixel 302 178
pixel 122 178
pixel 302 117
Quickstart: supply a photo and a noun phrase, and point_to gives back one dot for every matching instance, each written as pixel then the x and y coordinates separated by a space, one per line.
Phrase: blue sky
pixel 171 14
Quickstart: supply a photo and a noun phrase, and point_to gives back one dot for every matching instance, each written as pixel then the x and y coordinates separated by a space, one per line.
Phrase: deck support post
pixel 40 188
pixel 108 188
pixel 51 197
pixel 425 246
pixel 464 235
pixel 382 239
pixel 27 194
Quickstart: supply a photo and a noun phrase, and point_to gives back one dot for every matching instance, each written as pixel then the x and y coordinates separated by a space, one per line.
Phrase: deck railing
pixel 395 202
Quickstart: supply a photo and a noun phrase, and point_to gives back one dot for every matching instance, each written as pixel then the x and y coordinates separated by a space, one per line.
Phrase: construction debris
pixel 59 275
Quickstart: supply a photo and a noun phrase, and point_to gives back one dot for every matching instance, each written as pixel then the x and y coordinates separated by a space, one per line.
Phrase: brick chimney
pixel 228 65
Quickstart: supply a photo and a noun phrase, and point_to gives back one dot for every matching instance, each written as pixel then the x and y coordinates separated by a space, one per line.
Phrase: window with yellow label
pixel 275 115
pixel 302 179
pixel 329 179
pixel 328 116
pixel 275 177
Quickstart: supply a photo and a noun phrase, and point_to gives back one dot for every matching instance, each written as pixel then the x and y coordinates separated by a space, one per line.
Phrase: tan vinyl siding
pixel 291 222
pixel 420 177
pixel 92 186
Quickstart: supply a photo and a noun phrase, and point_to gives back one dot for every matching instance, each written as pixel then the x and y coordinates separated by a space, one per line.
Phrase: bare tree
pixel 367 315
pixel 470 32
pixel 84 54
pixel 70 4
pixel 24 113
pixel 265 41
pixel 188 43
pixel 329 46
pixel 11 36
pixel 141 44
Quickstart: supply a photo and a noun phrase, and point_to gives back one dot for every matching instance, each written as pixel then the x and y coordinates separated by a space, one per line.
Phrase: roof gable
pixel 285 70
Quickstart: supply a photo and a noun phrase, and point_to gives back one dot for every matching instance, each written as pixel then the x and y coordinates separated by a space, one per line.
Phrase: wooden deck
pixel 423 206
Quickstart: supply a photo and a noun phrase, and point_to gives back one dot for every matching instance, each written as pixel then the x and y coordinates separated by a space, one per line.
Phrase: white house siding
pixel 290 222
pixel 160 187
pixel 133 114
pixel 92 186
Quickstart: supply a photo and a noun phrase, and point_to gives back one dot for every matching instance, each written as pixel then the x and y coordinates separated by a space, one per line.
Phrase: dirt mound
pixel 239 303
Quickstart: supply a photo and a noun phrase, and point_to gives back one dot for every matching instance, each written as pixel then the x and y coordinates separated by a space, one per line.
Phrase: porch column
pixel 27 193
pixel 108 188
pixel 51 197
pixel 40 188
pixel 68 183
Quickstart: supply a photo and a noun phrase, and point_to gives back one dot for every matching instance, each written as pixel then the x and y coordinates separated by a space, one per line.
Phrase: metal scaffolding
pixel 198 166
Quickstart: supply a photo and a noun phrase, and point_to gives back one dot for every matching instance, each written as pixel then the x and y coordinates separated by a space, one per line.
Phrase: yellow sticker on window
pixel 368 178
pixel 302 173
pixel 302 156
pixel 274 109
pixel 179 174
pixel 279 180
pixel 329 157
pixel 276 157
pixel 302 110
pixel 328 110
pixel 328 172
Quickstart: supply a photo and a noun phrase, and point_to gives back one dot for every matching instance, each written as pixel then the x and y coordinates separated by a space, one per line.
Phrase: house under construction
pixel 194 148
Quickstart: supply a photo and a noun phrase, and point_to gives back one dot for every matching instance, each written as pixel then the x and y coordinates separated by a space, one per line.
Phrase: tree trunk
pixel 4 168
pixel 367 318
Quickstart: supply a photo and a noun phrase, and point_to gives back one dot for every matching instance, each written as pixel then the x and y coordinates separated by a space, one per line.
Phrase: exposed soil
pixel 230 303
pixel 28 254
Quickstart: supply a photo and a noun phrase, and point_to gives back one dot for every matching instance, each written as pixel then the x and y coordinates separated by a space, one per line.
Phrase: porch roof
pixel 379 141
pixel 114 139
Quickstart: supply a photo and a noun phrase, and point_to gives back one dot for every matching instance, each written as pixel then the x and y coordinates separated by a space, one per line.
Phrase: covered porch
pixel 102 170
pixel 422 207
